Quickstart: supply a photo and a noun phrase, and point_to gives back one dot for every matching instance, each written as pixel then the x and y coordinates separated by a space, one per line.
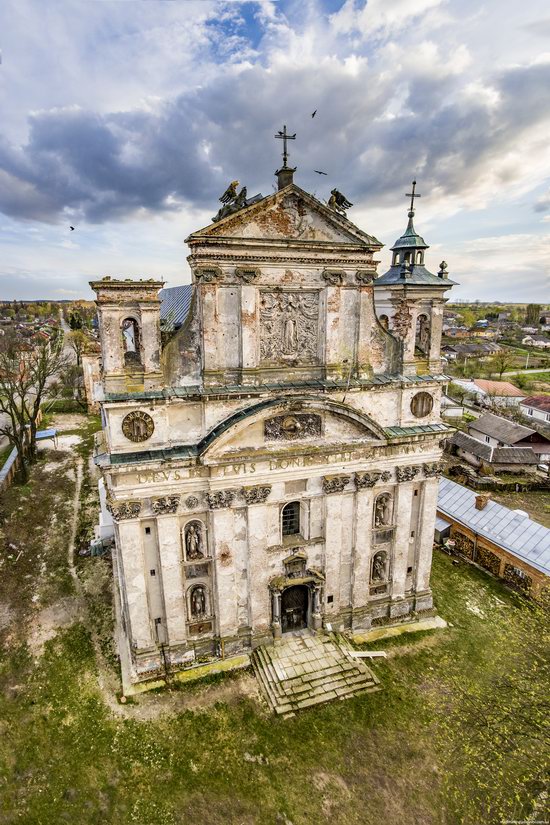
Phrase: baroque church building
pixel 271 433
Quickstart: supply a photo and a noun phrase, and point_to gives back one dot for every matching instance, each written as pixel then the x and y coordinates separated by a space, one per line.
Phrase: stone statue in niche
pixel 379 567
pixel 423 334
pixel 193 541
pixel 382 510
pixel 198 602
pixel 289 327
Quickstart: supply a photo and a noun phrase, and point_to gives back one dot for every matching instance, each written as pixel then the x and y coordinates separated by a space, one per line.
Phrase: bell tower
pixel 129 330
pixel 409 299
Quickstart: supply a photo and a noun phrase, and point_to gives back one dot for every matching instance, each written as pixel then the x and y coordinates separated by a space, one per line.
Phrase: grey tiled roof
pixel 524 538
pixel 500 428
pixel 174 305
pixel 471 445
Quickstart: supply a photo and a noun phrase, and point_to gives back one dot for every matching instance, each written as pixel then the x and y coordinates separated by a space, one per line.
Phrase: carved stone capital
pixel 406 473
pixel 335 484
pixel 166 504
pixel 364 276
pixel 247 274
pixel 208 274
pixel 363 480
pixel 257 494
pixel 433 470
pixel 334 277
pixel 220 498
pixel 123 510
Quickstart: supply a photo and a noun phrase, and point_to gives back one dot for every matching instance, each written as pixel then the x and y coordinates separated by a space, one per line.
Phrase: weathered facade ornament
pixel 247 275
pixel 257 494
pixel 166 504
pixel 382 510
pixel 198 602
pixel 123 510
pixel 208 275
pixel 191 502
pixel 292 427
pixel 335 484
pixel 364 276
pixel 334 277
pixel 138 426
pixel 220 498
pixel 422 404
pixel 289 327
pixel 433 470
pixel 406 473
pixel 369 479
pixel 338 202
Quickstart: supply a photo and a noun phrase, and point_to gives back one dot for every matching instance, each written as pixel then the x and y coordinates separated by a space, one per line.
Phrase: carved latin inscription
pixel 289 327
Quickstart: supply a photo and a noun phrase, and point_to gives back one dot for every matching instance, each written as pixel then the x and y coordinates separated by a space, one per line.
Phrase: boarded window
pixel 422 404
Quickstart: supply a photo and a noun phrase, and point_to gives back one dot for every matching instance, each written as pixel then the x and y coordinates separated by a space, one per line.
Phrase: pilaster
pixel 402 537
pixel 131 556
pixel 170 560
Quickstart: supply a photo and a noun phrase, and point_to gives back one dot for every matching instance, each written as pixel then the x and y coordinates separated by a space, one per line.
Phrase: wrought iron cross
pixel 412 195
pixel 282 135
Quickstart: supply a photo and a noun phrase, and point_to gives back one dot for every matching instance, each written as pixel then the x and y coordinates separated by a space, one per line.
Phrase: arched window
pixel 419 257
pixel 131 341
pixel 395 258
pixel 290 519
pixel 384 320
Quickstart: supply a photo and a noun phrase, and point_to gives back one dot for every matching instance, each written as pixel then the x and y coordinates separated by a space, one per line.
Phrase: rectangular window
pixel 330 599
pixel 488 439
pixel 152 573
pixel 529 411
pixel 147 531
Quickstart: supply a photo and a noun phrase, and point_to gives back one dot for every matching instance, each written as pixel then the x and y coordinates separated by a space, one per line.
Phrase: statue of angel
pixel 339 202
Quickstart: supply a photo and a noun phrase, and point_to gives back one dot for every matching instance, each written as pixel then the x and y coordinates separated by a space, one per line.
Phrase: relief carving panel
pixel 292 427
pixel 289 323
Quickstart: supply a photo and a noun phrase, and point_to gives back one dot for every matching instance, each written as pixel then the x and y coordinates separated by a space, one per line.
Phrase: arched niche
pixel 422 336
pixel 193 539
pixel 383 507
pixel 198 602
pixel 379 567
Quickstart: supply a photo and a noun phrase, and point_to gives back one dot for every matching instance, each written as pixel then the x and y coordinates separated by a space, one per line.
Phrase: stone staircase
pixel 301 671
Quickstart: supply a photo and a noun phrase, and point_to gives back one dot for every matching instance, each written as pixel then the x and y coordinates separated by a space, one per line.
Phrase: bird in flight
pixel 319 172
pixel 314 113
pixel 71 228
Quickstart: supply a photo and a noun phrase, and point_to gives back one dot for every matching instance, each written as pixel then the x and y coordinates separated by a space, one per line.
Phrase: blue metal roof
pixel 174 305
pixel 524 538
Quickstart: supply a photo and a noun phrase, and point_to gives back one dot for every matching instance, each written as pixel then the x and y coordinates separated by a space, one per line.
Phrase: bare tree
pixel 502 361
pixel 26 368
pixel 78 342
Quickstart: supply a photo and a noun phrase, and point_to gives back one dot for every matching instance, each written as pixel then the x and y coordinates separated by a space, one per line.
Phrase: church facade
pixel 271 459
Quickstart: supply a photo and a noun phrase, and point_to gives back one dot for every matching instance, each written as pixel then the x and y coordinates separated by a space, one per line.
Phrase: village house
pixel 505 542
pixel 459 352
pixel 536 341
pixel 478 454
pixel 270 452
pixel 489 393
pixel 501 432
pixel 536 407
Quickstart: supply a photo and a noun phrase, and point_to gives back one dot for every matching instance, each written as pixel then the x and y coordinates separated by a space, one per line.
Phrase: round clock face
pixel 138 426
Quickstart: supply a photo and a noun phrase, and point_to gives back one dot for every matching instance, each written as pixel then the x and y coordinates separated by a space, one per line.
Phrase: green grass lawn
pixel 412 753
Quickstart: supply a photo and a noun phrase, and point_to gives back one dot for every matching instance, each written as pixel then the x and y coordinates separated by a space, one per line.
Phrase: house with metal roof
pixel 499 459
pixel 506 542
pixel 501 432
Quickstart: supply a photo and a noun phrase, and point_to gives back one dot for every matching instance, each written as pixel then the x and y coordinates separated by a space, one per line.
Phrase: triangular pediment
pixel 289 214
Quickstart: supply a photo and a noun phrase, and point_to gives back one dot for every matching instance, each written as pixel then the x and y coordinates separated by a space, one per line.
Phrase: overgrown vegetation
pixel 457 734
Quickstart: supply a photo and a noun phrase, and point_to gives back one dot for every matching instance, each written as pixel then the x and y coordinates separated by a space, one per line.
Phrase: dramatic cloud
pixel 164 107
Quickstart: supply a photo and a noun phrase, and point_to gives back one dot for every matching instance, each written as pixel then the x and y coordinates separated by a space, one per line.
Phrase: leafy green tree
pixel 532 315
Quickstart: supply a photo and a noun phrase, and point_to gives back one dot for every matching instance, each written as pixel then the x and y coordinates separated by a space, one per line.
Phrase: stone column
pixel 131 557
pixel 150 341
pixel 276 613
pixel 436 330
pixel 425 544
pixel 249 327
pixel 363 550
pixel 401 540
pixel 172 580
pixel 316 618
pixel 366 324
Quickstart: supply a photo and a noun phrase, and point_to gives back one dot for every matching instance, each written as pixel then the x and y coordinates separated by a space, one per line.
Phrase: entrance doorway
pixel 294 606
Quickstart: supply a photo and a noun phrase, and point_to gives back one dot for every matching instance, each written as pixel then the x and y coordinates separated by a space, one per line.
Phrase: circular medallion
pixel 138 426
pixel 291 425
pixel 191 502
pixel 422 404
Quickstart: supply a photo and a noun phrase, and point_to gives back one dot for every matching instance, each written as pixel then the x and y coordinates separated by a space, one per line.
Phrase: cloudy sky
pixel 128 118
